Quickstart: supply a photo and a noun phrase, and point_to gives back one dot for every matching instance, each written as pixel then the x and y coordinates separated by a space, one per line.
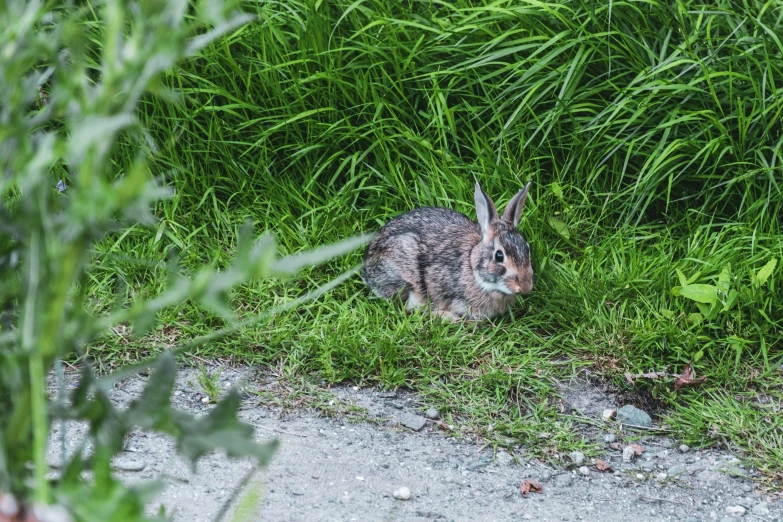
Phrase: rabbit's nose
pixel 525 284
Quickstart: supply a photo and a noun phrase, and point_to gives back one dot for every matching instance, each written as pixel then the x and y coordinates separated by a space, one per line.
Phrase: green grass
pixel 651 131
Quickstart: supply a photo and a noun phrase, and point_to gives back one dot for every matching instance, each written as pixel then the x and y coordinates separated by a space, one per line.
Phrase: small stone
pixel 684 448
pixel 412 421
pixel 503 458
pixel 629 454
pixel 661 476
pixel 762 508
pixel 205 400
pixel 735 511
pixel 563 481
pixel 648 466
pixel 388 395
pixel 355 388
pixel 395 405
pixel 640 476
pixel 609 438
pixel 432 414
pixel 477 464
pixel 402 494
pixel 608 414
pixel 675 470
pixel 126 463
pixel 577 457
pixel 632 415
pixel 584 471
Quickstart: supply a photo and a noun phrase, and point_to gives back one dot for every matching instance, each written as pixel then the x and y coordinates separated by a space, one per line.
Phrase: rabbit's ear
pixel 514 209
pixel 485 209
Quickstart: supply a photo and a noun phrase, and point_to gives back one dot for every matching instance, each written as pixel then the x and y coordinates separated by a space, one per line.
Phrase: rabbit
pixel 465 270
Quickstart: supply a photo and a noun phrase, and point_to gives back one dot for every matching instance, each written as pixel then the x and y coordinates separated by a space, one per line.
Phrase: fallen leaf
pixel 616 446
pixel 637 449
pixel 688 378
pixel 528 485
pixel 629 378
pixel 602 466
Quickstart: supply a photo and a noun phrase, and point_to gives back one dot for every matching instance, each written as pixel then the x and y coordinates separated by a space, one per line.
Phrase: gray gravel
pixel 337 469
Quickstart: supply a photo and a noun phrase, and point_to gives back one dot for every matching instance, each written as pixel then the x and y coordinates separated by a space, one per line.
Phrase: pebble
pixel 735 511
pixel 648 466
pixel 640 476
pixel 563 481
pixel 395 405
pixel 608 414
pixel 584 471
pixel 412 421
pixel 609 438
pixel 762 508
pixel 480 463
pixel 684 448
pixel 402 494
pixel 577 457
pixel 661 476
pixel 125 463
pixel 503 458
pixel 628 454
pixel 432 414
pixel 388 394
pixel 632 415
pixel 675 470
pixel 205 400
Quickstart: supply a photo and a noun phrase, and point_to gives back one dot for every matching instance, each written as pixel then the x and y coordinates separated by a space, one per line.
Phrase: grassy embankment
pixel 652 135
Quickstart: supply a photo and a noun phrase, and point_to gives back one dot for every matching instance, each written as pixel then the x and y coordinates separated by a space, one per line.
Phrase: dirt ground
pixel 347 465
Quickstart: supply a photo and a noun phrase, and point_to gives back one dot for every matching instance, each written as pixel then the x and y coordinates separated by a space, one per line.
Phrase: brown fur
pixel 441 256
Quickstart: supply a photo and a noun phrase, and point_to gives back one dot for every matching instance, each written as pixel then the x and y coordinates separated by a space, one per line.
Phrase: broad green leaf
pixel 559 226
pixel 681 277
pixel 668 314
pixel 730 300
pixel 724 280
pixel 700 293
pixel 152 409
pixel 766 271
pixel 695 318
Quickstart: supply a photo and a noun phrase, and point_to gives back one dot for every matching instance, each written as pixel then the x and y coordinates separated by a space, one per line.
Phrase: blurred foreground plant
pixel 70 81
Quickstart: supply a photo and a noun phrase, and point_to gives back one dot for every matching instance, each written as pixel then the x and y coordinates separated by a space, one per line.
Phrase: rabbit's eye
pixel 499 256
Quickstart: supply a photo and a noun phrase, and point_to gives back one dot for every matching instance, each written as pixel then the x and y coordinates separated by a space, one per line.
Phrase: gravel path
pixel 332 469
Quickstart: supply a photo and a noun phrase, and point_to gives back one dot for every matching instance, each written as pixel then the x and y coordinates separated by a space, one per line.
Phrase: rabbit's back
pixel 421 253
